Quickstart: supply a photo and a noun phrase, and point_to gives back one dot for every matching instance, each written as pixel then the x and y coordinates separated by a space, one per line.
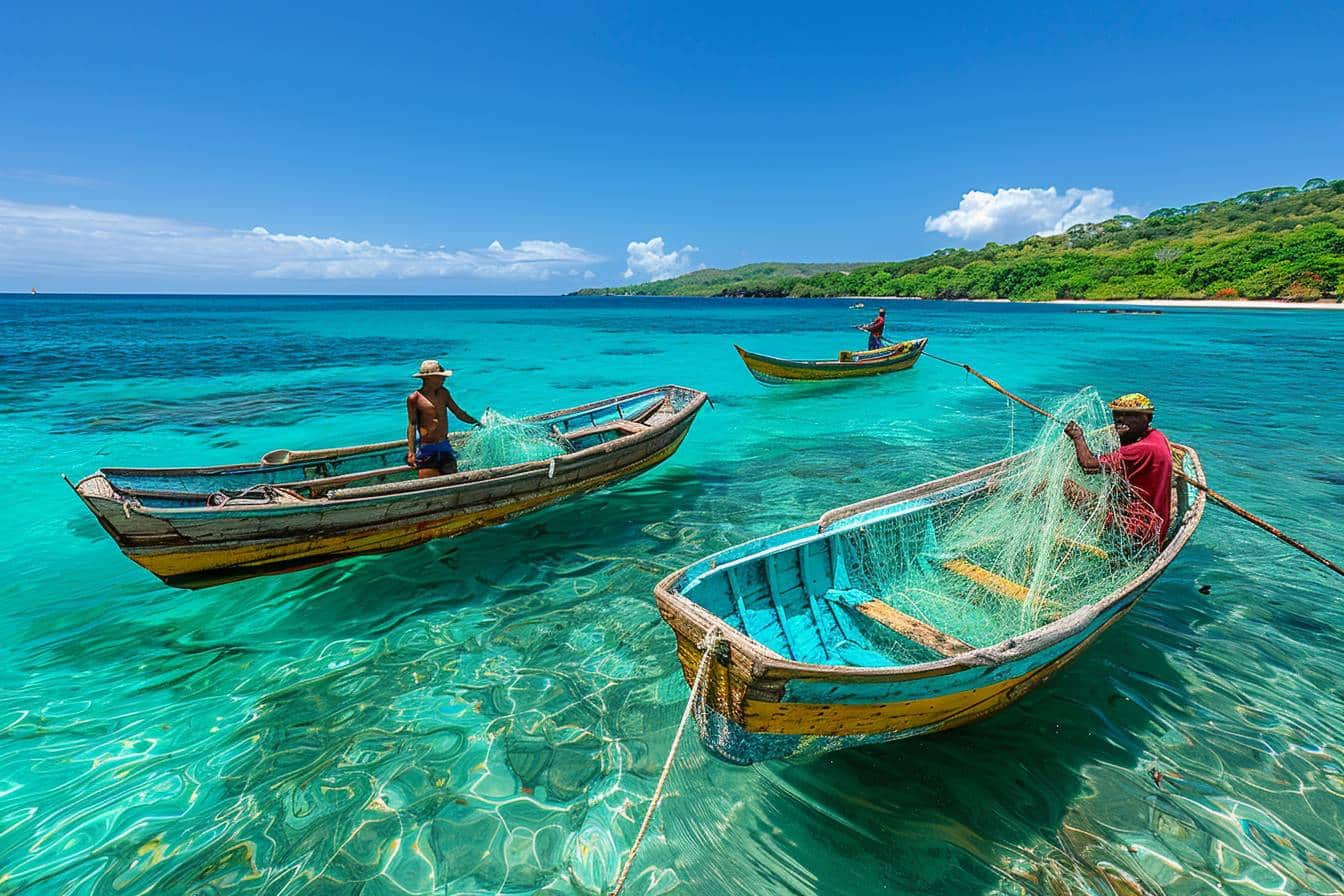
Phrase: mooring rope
pixel 707 645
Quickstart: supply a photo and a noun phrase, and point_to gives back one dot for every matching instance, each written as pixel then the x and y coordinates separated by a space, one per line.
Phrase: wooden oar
pixel 1217 498
pixel 1252 518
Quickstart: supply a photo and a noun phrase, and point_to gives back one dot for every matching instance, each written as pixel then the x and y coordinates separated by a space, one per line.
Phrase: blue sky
pixel 540 148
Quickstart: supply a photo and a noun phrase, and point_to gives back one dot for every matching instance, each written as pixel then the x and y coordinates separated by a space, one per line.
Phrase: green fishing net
pixel 501 441
pixel 1042 542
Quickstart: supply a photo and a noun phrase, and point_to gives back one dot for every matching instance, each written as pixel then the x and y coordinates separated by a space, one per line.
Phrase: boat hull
pixel 775 371
pixel 758 706
pixel 196 547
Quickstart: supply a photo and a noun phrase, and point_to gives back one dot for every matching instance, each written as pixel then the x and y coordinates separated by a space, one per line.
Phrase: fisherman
pixel 1143 459
pixel 427 446
pixel 874 329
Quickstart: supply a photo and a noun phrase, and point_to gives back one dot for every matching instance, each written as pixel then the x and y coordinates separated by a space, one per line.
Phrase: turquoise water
pixel 489 714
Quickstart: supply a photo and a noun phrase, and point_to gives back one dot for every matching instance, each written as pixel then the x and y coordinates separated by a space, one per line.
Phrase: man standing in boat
pixel 1143 459
pixel 874 329
pixel 427 446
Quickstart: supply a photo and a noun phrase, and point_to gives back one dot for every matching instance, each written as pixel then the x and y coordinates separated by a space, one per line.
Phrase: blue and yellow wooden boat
pixel 801 662
pixel 889 359
pixel 200 526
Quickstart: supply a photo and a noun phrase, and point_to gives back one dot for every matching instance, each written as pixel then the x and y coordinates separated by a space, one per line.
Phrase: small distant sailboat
pixel 33 290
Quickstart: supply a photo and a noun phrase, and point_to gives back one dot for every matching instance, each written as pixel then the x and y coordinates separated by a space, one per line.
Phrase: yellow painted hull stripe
pixel 826 373
pixel 173 562
pixel 910 716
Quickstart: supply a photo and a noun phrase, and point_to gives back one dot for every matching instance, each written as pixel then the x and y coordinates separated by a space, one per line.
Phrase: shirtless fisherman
pixel 427 447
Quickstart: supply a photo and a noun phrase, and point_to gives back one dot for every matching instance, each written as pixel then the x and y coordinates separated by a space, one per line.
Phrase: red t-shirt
pixel 1146 466
pixel 878 325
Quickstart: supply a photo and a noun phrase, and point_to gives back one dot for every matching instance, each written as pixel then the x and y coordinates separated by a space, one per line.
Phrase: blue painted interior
pixel 792 591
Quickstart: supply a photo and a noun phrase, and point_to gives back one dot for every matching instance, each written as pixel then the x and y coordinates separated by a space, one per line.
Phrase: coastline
pixel 1327 305
pixel 1264 304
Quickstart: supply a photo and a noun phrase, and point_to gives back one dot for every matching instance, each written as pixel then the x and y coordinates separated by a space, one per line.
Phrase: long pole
pixel 1252 518
pixel 1217 498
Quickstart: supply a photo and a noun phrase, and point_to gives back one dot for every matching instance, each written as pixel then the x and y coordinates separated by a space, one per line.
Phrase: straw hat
pixel 432 368
pixel 1132 402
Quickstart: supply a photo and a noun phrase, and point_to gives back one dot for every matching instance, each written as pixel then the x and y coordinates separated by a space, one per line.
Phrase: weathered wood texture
pixel 201 545
pixel 909 627
pixel 765 695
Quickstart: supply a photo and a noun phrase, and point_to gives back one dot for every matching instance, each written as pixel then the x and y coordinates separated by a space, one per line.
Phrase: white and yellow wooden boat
pixel 200 526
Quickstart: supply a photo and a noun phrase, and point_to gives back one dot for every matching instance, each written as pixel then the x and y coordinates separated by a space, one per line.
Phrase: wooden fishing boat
pixel 778 681
pixel 774 371
pixel 200 526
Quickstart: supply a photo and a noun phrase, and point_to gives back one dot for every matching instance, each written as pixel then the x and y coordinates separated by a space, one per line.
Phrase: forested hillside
pixel 1283 242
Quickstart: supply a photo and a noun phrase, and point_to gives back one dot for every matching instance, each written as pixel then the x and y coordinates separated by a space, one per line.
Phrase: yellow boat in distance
pixel 889 359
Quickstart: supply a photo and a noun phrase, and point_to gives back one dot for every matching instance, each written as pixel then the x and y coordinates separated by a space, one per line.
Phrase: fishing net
pixel 983 569
pixel 501 441
pixel 1045 540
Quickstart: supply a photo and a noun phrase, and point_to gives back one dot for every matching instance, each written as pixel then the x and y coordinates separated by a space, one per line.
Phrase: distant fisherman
pixel 1143 458
pixel 874 329
pixel 427 446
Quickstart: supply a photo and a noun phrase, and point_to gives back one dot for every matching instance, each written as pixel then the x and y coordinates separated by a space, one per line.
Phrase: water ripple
pixel 489 714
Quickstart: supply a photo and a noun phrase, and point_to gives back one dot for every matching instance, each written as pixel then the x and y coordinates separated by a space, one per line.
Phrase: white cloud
pixel 652 261
pixel 65 237
pixel 49 178
pixel 1017 212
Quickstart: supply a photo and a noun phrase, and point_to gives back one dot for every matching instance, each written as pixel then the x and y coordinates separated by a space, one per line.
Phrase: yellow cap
pixel 1134 401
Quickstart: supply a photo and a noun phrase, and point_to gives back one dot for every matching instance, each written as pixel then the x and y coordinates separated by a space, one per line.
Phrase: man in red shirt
pixel 874 329
pixel 1143 459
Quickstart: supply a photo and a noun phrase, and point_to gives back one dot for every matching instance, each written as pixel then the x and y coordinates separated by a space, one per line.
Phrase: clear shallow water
pixel 489 714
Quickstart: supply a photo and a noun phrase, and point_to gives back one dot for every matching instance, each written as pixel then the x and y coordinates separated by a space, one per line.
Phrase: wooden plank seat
pixel 319 487
pixel 990 581
pixel 909 627
pixel 624 427
pixel 1099 553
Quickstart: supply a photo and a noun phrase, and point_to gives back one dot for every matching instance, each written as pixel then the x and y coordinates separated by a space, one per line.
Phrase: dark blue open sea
pixel 489 714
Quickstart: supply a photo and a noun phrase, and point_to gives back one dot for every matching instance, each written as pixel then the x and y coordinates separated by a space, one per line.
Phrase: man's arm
pixel 411 430
pixel 1086 459
pixel 458 412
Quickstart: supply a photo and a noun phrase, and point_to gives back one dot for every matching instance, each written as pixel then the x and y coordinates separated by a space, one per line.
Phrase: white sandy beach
pixel 1326 305
pixel 1244 304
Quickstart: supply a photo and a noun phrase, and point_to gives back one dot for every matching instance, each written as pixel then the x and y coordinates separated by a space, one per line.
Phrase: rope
pixel 707 645
pixel 255 495
pixel 1217 498
pixel 993 384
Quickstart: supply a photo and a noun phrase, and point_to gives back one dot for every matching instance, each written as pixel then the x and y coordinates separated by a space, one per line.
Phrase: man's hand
pixel 410 458
pixel 1073 430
